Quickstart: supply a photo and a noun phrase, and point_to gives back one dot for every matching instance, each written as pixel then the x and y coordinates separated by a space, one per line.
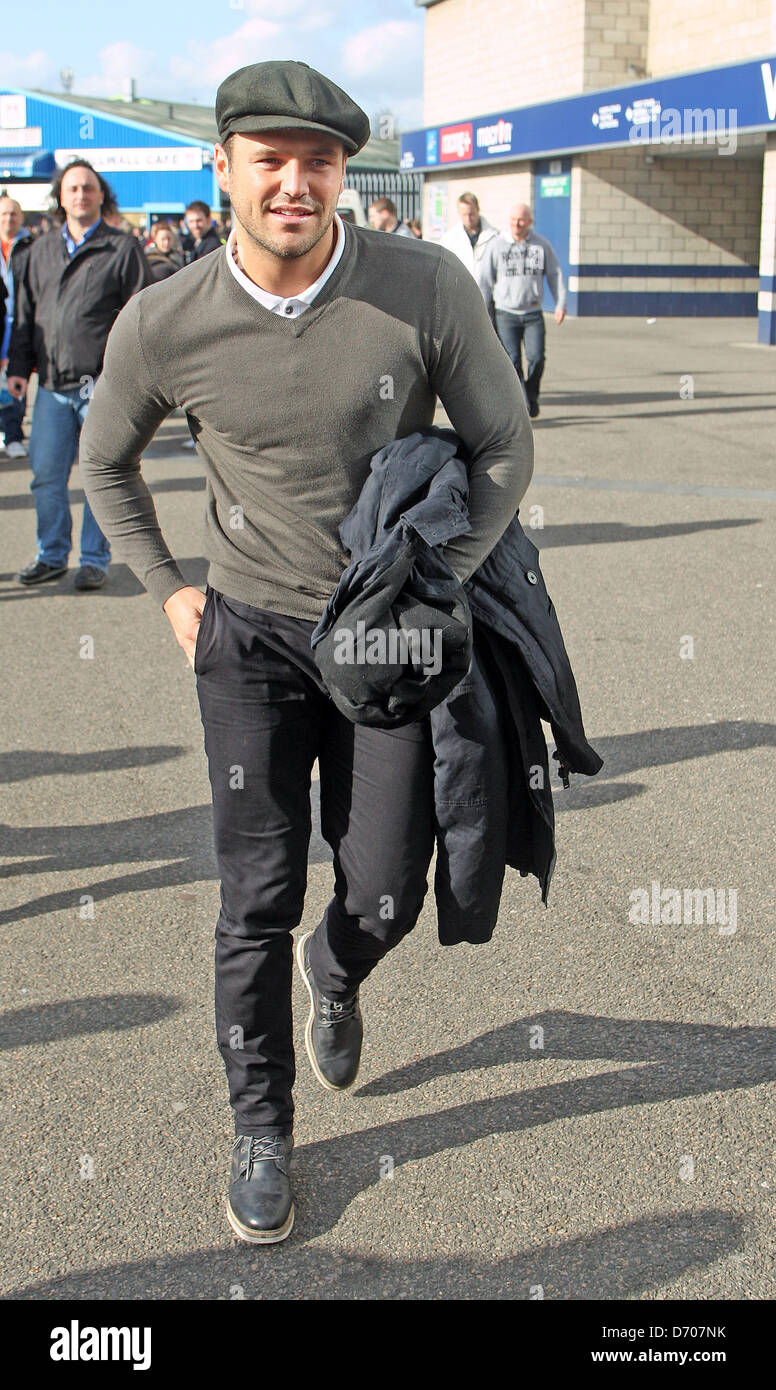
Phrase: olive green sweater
pixel 287 414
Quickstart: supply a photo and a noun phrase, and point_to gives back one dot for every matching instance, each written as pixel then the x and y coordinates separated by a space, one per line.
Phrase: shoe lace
pixel 334 1011
pixel 266 1146
pixel 262 1146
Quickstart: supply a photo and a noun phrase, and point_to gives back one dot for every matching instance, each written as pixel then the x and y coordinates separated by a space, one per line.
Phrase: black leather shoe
pixel 260 1206
pixel 89 577
pixel 38 573
pixel 334 1031
pixel 533 409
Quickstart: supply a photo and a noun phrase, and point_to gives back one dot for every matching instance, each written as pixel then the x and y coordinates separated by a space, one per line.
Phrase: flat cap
pixel 286 95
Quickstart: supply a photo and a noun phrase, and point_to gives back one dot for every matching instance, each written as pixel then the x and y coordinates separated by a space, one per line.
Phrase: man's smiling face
pixel 284 186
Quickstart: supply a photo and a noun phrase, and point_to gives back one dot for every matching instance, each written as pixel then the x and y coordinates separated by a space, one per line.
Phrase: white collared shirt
pixel 287 308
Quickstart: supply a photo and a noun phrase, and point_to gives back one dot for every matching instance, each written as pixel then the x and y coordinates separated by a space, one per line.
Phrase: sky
pixel 179 50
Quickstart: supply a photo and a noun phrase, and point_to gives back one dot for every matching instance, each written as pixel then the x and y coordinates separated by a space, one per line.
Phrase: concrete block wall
pixel 689 216
pixel 697 34
pixel 766 301
pixel 616 33
pixel 689 210
pixel 483 55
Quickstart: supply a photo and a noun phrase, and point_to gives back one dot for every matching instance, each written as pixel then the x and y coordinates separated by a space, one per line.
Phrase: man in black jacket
pixel 76 280
pixel 205 238
pixel 15 242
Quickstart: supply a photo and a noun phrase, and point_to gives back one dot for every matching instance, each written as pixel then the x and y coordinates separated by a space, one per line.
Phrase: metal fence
pixel 405 190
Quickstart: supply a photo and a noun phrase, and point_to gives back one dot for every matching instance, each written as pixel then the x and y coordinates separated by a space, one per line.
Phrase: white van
pixel 350 207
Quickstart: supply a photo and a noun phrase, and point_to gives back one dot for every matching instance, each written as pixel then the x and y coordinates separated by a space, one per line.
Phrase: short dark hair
pixel 384 205
pixel 198 206
pixel 109 203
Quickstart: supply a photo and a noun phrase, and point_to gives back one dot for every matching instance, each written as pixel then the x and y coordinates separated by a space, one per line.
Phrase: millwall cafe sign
pixel 147 159
pixel 711 105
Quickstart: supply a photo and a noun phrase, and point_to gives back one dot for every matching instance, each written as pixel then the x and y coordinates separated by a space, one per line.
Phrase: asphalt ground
pixel 580 1110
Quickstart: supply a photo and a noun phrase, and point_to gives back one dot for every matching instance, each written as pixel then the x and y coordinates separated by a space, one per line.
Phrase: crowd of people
pixel 50 296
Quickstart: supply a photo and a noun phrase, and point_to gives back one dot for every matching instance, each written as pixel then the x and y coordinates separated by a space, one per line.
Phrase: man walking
pixel 383 217
pixel 15 242
pixel 511 277
pixel 471 236
pixel 279 349
pixel 75 281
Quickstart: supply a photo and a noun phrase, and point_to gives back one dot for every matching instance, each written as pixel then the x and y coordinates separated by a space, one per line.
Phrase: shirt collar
pixel 273 301
pixel 73 245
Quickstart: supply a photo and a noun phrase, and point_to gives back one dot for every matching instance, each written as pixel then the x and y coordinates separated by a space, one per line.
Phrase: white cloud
pixel 36 69
pixel 318 19
pixel 208 64
pixel 119 62
pixel 397 43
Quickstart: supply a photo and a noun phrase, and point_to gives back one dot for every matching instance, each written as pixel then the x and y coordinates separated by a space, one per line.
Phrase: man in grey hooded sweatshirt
pixel 511 277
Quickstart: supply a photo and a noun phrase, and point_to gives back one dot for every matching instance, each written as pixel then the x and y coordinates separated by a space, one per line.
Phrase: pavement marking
pixel 748 494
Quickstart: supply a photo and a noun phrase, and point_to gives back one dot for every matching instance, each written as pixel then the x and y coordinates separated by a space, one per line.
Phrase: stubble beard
pixel 285 251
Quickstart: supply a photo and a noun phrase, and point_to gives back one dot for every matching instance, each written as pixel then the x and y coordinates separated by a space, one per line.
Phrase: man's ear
pixel 221 167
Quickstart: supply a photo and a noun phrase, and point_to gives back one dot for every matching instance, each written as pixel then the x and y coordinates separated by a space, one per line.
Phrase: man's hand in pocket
pixel 184 609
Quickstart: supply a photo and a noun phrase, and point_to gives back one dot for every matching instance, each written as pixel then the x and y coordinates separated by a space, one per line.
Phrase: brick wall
pixel 768 222
pixel 481 55
pixel 680 210
pixel 766 302
pixel 698 34
pixel 615 37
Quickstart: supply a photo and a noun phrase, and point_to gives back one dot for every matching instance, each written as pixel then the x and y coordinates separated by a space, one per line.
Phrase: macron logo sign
pixel 495 138
pixel 769 83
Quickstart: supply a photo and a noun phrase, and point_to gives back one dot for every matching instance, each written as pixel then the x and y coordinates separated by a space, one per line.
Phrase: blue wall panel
pixel 67 127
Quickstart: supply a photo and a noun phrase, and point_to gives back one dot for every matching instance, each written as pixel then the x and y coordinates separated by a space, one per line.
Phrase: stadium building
pixel 641 132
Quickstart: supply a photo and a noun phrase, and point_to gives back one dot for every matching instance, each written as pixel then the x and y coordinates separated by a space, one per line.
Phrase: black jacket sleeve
pixel 21 349
pixel 135 272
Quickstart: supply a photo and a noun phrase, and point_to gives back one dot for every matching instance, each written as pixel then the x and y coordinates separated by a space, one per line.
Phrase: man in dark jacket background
pixel 15 242
pixel 204 235
pixel 76 280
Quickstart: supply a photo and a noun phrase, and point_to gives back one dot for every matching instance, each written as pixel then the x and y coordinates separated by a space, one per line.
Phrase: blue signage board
pixel 696 106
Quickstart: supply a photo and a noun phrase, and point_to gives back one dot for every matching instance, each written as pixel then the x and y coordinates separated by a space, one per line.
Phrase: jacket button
pixel 531 577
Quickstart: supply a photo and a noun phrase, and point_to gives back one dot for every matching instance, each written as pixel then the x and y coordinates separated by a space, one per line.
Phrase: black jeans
pixel 267 716
pixel 527 329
